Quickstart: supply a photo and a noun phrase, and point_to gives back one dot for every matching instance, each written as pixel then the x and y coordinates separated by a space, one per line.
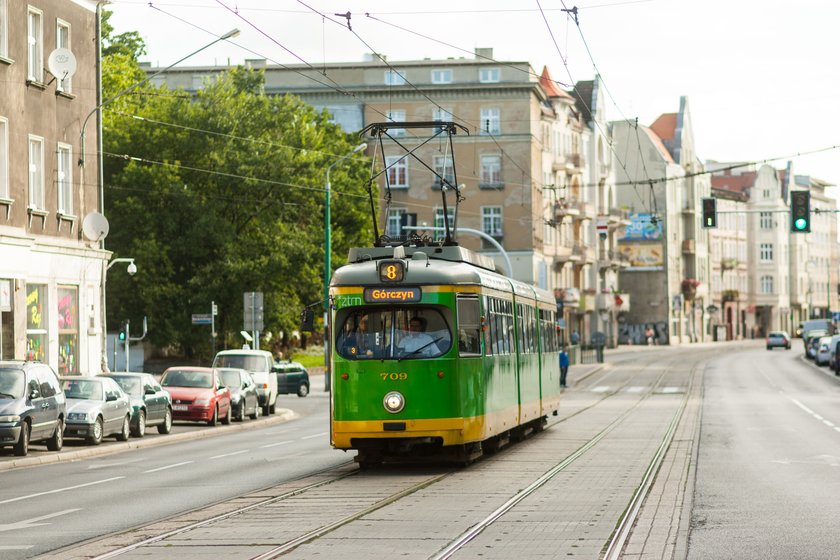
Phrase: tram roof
pixel 431 265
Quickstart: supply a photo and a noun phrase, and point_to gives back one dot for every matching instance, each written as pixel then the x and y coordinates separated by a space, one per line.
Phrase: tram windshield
pixel 393 333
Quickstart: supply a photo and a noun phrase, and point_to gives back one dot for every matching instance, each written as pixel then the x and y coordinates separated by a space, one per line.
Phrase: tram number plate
pixel 401 376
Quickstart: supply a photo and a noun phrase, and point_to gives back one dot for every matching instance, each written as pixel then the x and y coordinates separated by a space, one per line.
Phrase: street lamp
pixel 327 265
pixel 132 270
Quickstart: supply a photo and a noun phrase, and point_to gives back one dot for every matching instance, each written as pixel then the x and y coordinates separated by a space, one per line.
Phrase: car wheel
pixel 140 429
pixel 273 408
pixel 256 413
pixel 769 347
pixel 215 418
pixel 226 419
pixel 265 410
pixel 96 438
pixel 126 429
pixel 22 445
pixel 303 390
pixel 166 427
pixel 57 440
pixel 240 417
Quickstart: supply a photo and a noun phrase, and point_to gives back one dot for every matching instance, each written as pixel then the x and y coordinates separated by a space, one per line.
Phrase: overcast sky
pixel 762 76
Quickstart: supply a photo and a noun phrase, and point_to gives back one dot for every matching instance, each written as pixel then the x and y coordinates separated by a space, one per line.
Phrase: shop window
pixel 7 320
pixel 68 330
pixel 36 322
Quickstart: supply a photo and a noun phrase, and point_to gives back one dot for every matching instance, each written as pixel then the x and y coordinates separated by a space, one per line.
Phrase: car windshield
pixel 83 389
pixel 130 385
pixel 186 378
pixel 402 332
pixel 231 378
pixel 11 384
pixel 241 361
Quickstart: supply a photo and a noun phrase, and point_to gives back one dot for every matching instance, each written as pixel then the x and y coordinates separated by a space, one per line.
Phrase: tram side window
pixel 488 324
pixel 509 327
pixel 469 326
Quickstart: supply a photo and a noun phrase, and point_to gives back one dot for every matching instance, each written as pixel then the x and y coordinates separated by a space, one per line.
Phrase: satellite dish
pixel 95 226
pixel 62 63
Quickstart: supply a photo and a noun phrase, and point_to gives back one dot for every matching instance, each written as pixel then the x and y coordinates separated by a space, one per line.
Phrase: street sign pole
pixel 127 343
pixel 213 311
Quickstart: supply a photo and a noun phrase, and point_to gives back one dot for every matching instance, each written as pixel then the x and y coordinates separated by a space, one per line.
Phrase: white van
pixel 259 363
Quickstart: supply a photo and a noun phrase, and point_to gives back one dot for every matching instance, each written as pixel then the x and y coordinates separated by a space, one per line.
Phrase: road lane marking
pixel 61 490
pixel 316 435
pixel 33 522
pixel 828 423
pixel 113 464
pixel 168 467
pixel 275 444
pixel 231 454
pixel 15 547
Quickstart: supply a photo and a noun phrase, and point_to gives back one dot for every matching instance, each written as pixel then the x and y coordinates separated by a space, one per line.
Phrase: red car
pixel 198 394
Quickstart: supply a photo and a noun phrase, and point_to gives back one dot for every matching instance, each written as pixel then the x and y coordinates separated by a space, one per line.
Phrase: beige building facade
pixel 50 275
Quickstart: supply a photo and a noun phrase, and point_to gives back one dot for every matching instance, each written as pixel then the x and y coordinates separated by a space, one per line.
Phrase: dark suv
pixel 292 377
pixel 32 406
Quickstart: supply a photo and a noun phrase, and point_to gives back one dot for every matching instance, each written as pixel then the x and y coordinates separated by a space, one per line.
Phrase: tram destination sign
pixel 392 295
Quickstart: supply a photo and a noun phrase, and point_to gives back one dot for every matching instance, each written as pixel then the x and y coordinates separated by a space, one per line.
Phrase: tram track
pixel 351 487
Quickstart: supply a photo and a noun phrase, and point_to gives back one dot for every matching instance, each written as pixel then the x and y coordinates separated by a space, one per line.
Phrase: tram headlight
pixel 394 402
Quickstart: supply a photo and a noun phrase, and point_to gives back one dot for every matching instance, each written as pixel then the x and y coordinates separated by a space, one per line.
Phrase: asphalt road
pixel 50 506
pixel 767 482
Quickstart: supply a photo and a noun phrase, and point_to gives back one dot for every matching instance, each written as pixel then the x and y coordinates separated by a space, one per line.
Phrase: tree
pixel 219 194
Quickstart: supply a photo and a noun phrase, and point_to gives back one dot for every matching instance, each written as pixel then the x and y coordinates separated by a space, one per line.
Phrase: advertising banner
pixel 643 256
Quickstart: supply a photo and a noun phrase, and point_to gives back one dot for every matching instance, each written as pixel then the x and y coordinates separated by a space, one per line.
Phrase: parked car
pixel 150 404
pixel 778 339
pixel 243 393
pixel 810 341
pixel 198 394
pixel 32 406
pixel 97 407
pixel 292 377
pixel 823 355
pixel 258 363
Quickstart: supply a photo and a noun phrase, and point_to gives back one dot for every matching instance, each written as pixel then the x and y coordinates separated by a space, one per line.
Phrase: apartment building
pixel 661 179
pixel 789 277
pixel 534 170
pixel 50 275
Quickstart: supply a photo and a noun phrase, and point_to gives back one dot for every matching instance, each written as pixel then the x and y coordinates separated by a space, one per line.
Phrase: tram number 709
pixel 401 376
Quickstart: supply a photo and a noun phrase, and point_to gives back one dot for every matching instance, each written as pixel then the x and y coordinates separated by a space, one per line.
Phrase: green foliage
pixel 209 216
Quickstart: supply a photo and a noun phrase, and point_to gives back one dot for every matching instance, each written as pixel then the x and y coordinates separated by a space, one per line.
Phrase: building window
pixel 491 220
pixel 36 173
pixel 766 220
pixel 441 114
pixel 62 41
pixel 7 323
pixel 397 171
pixel 68 330
pixel 4 29
pixel 395 78
pixel 36 322
pixel 489 75
pixel 395 117
pixel 441 76
pixel 441 233
pixel 490 121
pixel 766 284
pixel 4 158
pixel 766 252
pixel 35 44
pixel 444 168
pixel 65 180
pixel 491 171
pixel 393 228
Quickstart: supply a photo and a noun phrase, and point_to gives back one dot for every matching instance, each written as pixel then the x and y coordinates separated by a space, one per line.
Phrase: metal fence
pixel 586 354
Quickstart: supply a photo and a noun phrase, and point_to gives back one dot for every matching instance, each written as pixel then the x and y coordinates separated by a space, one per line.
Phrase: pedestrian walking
pixel 575 338
pixel 564 367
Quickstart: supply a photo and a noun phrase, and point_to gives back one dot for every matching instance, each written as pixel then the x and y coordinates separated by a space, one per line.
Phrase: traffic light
pixel 709 212
pixel 123 331
pixel 800 211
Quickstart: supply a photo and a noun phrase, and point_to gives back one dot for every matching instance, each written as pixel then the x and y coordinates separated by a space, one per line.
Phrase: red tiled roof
pixel 734 183
pixel 657 141
pixel 550 86
pixel 665 126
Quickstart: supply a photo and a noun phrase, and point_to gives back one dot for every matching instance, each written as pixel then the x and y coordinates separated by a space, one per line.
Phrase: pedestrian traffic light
pixel 800 211
pixel 709 212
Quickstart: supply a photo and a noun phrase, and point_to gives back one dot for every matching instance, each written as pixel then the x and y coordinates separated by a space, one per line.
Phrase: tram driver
pixel 415 341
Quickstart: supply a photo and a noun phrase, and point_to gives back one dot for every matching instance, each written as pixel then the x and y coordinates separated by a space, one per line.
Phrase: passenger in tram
pixel 416 341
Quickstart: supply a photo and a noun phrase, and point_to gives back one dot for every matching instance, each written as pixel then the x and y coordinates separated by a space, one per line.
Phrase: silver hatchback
pixel 32 406
pixel 96 408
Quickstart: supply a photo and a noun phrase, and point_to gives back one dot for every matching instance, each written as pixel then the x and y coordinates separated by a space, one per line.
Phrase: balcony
pixel 579 252
pixel 566 207
pixel 559 164
pixel 618 217
pixel 688 247
pixel 575 162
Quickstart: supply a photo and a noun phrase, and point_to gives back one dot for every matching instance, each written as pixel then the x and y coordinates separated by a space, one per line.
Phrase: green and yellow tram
pixel 435 355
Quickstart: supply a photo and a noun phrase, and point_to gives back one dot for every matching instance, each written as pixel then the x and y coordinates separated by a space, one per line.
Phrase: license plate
pixel 180 407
